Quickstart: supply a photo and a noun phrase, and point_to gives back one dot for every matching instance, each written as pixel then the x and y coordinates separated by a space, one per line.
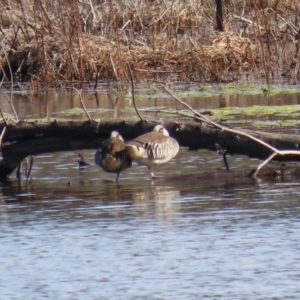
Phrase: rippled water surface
pixel 66 234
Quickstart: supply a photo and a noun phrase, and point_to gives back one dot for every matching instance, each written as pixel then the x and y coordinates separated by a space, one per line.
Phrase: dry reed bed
pixel 46 42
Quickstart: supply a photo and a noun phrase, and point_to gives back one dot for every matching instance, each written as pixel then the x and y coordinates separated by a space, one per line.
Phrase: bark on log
pixel 34 138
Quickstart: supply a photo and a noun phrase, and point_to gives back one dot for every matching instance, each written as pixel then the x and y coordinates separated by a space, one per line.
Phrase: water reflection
pixel 57 182
pixel 108 103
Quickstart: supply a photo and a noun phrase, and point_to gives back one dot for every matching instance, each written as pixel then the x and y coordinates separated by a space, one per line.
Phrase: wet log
pixel 33 138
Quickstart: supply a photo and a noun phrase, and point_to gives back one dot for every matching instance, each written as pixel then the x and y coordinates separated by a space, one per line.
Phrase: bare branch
pixel 79 92
pixel 29 161
pixel 133 92
pixel 202 118
pixel 2 115
pixel 264 163
pixel 12 87
pixel 2 136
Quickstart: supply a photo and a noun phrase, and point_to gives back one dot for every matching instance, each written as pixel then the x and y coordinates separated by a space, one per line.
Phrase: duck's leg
pixel 153 176
pixel 117 178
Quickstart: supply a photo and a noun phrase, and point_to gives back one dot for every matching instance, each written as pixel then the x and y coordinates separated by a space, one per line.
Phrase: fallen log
pixel 24 138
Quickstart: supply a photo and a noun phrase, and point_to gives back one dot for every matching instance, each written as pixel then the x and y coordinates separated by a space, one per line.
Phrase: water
pixel 108 104
pixel 66 234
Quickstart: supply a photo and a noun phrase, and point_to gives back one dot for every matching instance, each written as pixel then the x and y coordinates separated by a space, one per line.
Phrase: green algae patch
pixel 211 90
pixel 291 91
pixel 269 124
pixel 225 111
pixel 246 90
pixel 44 120
pixel 271 91
pixel 76 111
pixel 276 124
pixel 170 114
pixel 258 110
pixel 102 111
pixel 260 116
pixel 129 109
pixel 257 116
pixel 290 123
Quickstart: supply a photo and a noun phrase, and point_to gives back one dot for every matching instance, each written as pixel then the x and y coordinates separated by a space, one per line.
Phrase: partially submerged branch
pixel 240 133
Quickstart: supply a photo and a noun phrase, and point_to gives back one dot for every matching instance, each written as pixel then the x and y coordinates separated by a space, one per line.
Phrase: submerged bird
pixel 153 148
pixel 81 161
pixel 112 156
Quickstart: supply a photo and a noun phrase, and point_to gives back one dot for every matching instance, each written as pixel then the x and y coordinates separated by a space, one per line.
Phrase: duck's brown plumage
pixel 112 156
pixel 153 148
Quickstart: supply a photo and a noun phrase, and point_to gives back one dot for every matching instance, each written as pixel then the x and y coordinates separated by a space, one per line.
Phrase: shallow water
pixel 66 234
pixel 105 103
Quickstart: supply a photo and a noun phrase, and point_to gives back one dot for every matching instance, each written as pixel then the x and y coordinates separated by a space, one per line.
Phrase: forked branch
pixel 198 116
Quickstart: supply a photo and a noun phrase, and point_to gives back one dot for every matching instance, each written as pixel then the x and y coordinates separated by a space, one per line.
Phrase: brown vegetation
pixel 46 42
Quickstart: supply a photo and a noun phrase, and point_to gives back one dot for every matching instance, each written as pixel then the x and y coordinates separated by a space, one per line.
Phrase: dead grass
pixel 49 42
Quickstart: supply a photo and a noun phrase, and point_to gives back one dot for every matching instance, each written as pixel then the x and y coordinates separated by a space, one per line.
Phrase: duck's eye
pixel 161 129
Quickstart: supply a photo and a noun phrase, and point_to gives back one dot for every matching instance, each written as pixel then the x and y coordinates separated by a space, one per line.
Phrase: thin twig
pixel 2 136
pixel 79 92
pixel 29 161
pixel 114 68
pixel 124 26
pixel 18 173
pixel 12 87
pixel 2 115
pixel 132 94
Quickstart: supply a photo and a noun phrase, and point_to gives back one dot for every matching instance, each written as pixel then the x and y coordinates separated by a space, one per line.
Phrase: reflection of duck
pixel 111 156
pixel 153 148
pixel 159 200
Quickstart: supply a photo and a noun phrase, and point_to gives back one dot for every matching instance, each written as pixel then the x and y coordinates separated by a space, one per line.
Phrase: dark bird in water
pixel 81 161
pixel 112 156
pixel 153 148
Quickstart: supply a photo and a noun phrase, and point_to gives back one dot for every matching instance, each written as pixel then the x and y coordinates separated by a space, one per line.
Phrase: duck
pixel 153 148
pixel 111 156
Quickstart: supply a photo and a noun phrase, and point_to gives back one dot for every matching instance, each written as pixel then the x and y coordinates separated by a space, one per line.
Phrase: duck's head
pixel 116 134
pixel 162 129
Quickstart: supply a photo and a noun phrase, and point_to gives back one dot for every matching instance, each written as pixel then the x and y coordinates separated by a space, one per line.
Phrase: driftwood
pixel 23 138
